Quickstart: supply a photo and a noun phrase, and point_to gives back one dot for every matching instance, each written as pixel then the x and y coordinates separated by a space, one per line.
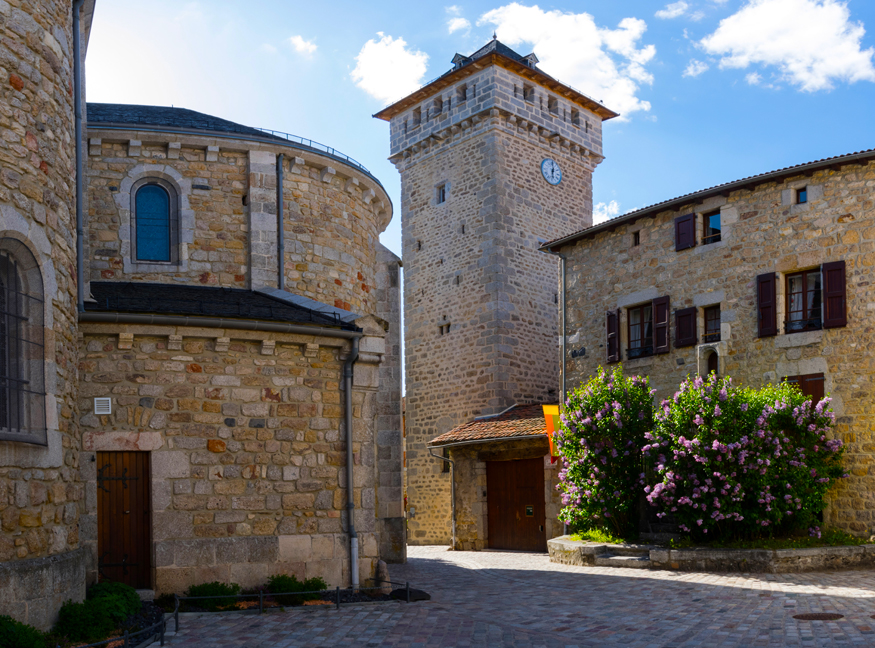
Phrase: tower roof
pixel 495 53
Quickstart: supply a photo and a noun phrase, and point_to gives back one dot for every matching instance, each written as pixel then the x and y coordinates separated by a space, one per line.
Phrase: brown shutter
pixel 684 232
pixel 661 317
pixel 612 324
pixel 834 295
pixel 767 305
pixel 685 327
pixel 812 386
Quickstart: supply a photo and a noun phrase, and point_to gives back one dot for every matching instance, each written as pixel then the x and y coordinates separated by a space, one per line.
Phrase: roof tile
pixel 520 420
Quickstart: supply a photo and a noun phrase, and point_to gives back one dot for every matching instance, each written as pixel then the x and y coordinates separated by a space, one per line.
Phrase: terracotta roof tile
pixel 521 420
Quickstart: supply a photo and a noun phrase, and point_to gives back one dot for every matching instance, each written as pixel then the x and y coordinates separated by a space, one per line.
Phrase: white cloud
pixel 753 78
pixel 695 68
pixel 606 64
pixel 457 24
pixel 605 211
pixel 673 10
pixel 302 46
pixel 812 43
pixel 387 69
pixel 697 16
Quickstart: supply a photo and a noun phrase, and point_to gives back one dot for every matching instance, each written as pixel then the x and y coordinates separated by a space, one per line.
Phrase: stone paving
pixel 505 599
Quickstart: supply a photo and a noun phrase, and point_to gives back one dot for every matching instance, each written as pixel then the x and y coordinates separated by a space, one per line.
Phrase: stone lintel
pixel 212 153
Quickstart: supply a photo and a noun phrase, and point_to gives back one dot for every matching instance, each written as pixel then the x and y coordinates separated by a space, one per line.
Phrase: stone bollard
pixel 381 577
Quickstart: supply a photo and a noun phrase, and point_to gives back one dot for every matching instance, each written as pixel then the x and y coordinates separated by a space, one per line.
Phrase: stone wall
pixel 227 215
pixel 472 493
pixel 472 263
pixel 763 231
pixel 40 486
pixel 246 437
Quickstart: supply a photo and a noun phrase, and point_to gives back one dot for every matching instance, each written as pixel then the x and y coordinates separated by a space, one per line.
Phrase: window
pixel 767 310
pixel 802 195
pixel 462 92
pixel 553 105
pixel 445 468
pixel 529 93
pixel 444 328
pixel 417 116
pixel 155 222
pixel 712 228
pixel 440 194
pixel 712 324
pixel 437 106
pixel 636 239
pixel 811 385
pixel 804 302
pixel 22 355
pixel 640 320
pixel 575 117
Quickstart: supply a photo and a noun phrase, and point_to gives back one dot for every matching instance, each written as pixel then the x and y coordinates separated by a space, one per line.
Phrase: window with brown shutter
pixel 767 315
pixel 811 385
pixel 684 232
pixel 685 327
pixel 661 317
pixel 612 326
pixel 834 295
pixel 640 322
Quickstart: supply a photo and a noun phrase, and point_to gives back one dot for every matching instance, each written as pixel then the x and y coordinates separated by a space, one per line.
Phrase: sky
pixel 709 91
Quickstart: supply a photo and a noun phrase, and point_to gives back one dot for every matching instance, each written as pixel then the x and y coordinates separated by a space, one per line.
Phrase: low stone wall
pixel 33 590
pixel 756 561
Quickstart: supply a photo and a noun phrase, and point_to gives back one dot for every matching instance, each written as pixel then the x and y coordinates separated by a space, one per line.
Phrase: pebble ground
pixel 508 599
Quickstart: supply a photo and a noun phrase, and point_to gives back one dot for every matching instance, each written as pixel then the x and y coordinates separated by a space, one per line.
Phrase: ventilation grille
pixel 103 406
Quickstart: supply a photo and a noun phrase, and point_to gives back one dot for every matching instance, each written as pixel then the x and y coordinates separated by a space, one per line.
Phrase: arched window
pixel 22 355
pixel 713 363
pixel 155 222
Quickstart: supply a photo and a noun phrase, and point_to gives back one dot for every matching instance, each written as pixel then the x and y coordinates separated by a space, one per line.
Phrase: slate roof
pixel 202 301
pixel 519 421
pixel 750 182
pixel 183 118
pixel 498 47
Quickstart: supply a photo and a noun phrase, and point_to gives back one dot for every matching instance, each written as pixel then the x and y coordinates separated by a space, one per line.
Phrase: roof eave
pixel 432 444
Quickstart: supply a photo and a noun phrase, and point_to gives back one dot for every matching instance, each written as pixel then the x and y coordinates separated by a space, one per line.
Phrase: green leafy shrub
pixel 14 634
pixel 222 593
pixel 119 600
pixel 89 621
pixel 283 584
pixel 601 437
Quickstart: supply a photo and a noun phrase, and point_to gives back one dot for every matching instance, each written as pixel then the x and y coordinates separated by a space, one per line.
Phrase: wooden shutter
pixel 661 317
pixel 834 295
pixel 767 305
pixel 684 232
pixel 685 327
pixel 612 325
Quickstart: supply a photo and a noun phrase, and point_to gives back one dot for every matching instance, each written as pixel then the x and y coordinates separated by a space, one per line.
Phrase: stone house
pixel 176 400
pixel 495 157
pixel 764 279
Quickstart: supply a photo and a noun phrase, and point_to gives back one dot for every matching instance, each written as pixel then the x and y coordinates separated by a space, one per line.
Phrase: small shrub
pixel 119 600
pixel 602 434
pixel 89 621
pixel 223 594
pixel 14 634
pixel 283 584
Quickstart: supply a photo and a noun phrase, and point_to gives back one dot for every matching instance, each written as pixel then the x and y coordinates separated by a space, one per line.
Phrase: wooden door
pixel 123 518
pixel 515 504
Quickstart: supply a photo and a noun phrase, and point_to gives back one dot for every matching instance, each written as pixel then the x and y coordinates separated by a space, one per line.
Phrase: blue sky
pixel 710 90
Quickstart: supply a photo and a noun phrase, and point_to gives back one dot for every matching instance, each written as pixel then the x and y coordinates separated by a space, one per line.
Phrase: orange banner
pixel 551 418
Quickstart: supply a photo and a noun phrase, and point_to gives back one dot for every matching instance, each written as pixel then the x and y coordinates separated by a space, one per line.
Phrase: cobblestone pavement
pixel 505 599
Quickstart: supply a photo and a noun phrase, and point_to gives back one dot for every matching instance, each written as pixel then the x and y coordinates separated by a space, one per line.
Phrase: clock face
pixel 551 171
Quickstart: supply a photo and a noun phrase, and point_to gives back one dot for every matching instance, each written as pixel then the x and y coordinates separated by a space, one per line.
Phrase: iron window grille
pixel 804 302
pixel 22 353
pixel 640 322
pixel 712 228
pixel 712 324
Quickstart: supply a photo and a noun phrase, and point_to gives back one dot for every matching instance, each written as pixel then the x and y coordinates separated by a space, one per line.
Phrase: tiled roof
pixel 519 421
pixel 749 182
pixel 202 301
pixel 497 47
pixel 132 114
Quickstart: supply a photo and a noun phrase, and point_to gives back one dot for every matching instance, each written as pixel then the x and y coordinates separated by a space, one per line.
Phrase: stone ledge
pixel 766 561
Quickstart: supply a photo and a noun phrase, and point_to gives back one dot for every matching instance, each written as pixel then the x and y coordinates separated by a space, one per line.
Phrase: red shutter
pixel 612 324
pixel 685 327
pixel 767 305
pixel 834 295
pixel 684 232
pixel 661 317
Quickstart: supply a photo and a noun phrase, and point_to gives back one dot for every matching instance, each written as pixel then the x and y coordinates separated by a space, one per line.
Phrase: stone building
pixel 495 155
pixel 763 279
pixel 187 420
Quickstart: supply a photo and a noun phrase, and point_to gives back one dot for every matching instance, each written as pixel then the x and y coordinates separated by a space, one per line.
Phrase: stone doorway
pixel 515 505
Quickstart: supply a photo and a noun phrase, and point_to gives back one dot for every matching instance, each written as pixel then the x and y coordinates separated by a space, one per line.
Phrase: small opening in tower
pixel 462 230
pixel 440 193
pixel 457 279
pixel 575 117
pixel 418 246
pixel 587 127
pixel 462 92
pixel 529 93
pixel 417 116
pixel 553 105
pixel 245 199
pixel 636 239
pixel 437 105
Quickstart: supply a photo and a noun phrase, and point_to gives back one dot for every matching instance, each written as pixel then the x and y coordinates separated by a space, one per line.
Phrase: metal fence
pixel 143 637
pixel 314 145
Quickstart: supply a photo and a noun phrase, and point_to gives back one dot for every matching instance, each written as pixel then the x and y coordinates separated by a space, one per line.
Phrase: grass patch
pixel 597 535
pixel 828 538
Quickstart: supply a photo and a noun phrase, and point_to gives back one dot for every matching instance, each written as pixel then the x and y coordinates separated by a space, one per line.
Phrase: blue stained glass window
pixel 153 224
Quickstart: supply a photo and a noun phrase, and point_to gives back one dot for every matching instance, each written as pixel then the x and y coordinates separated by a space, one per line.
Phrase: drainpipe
pixel 350 484
pixel 452 487
pixel 562 316
pixel 280 234
pixel 80 172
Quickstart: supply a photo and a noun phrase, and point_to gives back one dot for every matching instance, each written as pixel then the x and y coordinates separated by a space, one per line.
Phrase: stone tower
pixel 494 155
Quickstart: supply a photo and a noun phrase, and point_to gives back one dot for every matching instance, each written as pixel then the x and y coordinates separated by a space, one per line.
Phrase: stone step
pixel 629 549
pixel 658 537
pixel 629 562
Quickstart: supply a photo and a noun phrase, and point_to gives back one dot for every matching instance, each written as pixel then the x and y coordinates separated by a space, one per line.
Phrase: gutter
pixel 452 488
pixel 280 233
pixel 80 170
pixel 350 477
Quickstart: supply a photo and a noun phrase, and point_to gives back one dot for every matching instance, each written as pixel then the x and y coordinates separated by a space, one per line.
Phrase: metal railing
pixel 314 145
pixel 142 637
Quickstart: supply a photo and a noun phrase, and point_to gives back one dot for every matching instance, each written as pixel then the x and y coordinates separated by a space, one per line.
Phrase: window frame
pixel 173 225
pixel 810 323
pixel 802 195
pixel 440 193
pixel 645 346
pixel 711 334
pixel 708 233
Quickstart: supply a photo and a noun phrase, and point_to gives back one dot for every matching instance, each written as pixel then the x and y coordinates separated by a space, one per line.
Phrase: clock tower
pixel 494 156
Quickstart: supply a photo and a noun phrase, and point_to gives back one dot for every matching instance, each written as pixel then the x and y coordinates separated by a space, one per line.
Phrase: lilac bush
pixel 601 437
pixel 737 462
